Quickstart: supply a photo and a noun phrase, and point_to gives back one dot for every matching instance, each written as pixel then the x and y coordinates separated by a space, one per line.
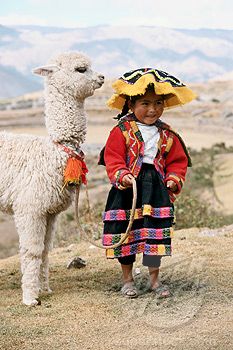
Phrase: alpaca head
pixel 71 73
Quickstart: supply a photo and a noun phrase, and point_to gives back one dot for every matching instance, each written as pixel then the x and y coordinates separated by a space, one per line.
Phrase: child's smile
pixel 148 108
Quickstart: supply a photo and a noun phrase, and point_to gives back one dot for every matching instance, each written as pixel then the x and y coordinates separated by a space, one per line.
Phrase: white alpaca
pixel 31 176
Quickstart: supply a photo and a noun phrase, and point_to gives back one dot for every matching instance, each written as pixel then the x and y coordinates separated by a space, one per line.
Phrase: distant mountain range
pixel 191 55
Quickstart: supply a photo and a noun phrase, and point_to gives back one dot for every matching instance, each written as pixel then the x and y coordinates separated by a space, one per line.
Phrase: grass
pixel 200 176
pixel 86 310
pixel 192 210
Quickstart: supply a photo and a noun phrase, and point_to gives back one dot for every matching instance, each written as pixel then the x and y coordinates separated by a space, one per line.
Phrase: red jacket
pixel 124 153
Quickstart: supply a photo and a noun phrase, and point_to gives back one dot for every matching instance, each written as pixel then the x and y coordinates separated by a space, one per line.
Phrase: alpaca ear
pixel 45 70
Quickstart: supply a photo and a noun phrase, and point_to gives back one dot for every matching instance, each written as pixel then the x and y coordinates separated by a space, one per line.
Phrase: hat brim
pixel 174 96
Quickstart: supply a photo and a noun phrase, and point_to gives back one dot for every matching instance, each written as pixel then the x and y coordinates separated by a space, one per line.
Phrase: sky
pixel 190 14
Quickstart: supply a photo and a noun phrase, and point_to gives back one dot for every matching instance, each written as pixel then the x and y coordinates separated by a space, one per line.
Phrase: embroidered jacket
pixel 124 151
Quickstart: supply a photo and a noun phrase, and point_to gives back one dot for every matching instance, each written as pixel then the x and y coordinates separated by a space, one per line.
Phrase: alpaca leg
pixel 31 229
pixel 44 269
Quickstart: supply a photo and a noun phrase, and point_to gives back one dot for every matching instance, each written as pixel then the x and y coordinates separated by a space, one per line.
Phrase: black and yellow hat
pixel 135 82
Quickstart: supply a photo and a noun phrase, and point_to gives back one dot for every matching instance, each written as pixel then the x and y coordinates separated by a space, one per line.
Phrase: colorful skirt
pixel 152 230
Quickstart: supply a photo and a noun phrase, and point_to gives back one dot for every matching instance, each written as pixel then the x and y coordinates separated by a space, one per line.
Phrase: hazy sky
pixel 83 13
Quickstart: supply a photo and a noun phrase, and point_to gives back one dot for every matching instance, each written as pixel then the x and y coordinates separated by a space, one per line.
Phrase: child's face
pixel 148 108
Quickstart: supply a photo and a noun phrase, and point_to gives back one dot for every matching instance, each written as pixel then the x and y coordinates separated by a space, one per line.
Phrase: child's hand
pixel 127 180
pixel 172 186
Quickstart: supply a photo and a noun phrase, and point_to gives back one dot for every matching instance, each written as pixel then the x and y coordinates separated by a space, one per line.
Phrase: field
pixel 87 310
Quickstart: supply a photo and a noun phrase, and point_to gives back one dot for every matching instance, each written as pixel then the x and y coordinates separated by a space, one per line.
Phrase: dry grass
pixel 223 181
pixel 87 311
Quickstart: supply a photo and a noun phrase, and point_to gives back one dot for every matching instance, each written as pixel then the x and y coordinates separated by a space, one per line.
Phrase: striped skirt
pixel 152 230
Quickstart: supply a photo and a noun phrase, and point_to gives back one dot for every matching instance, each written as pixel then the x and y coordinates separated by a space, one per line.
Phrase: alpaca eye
pixel 80 69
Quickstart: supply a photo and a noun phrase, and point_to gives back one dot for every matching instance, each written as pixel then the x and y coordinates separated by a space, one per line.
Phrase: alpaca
pixel 31 177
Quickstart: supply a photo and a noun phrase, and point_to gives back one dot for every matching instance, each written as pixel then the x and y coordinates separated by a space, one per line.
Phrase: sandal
pixel 129 290
pixel 162 291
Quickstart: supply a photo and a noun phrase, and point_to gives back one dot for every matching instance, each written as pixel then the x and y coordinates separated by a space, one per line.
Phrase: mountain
pixel 192 55
pixel 14 83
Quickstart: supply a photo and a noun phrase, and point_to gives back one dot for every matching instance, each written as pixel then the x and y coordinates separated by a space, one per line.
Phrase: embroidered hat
pixel 136 81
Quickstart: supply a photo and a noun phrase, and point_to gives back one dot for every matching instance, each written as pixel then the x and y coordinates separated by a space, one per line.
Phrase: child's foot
pixel 129 290
pixel 161 291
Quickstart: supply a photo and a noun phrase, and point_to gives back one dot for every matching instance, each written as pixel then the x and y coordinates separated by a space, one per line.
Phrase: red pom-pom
pixel 75 172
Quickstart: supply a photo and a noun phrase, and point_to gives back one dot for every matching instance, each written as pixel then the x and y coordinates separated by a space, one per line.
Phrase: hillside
pixel 87 310
pixel 203 123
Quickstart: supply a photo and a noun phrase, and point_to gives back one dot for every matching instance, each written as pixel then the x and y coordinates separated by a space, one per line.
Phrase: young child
pixel 141 146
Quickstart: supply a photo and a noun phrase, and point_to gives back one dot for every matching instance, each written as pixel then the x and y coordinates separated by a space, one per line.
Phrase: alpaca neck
pixel 65 117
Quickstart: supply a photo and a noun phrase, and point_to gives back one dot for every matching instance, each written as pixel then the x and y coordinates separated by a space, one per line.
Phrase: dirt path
pixel 87 311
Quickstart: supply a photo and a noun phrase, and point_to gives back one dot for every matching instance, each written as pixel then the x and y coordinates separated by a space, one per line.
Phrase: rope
pixel 131 219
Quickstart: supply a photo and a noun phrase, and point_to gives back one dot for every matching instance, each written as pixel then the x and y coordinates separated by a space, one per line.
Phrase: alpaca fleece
pixel 32 167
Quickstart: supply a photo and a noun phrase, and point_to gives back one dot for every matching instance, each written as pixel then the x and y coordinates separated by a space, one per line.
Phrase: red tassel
pixel 84 172
pixel 75 172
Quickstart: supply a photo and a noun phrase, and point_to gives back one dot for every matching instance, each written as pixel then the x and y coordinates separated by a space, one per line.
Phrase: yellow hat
pixel 135 82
